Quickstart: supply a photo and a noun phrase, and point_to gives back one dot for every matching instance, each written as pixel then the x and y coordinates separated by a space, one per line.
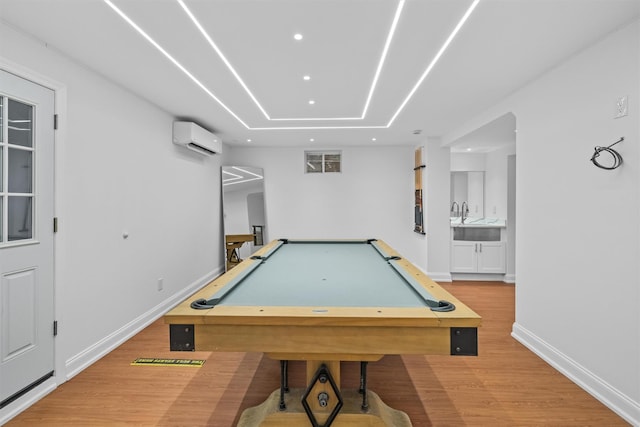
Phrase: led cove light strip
pixel 252 96
pixel 221 55
pixel 435 59
pixel 172 59
pixel 396 18
pixel 426 72
pixel 387 44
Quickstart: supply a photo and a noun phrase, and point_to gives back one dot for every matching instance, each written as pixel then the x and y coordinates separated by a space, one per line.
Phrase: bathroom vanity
pixel 478 245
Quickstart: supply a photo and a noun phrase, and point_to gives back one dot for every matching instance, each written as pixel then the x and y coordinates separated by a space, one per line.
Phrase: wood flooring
pixel 506 385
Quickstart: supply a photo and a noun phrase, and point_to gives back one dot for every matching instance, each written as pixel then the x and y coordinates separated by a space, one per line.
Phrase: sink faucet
pixel 465 211
pixel 455 211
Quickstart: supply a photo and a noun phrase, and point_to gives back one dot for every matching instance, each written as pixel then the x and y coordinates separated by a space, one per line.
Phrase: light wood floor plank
pixel 506 385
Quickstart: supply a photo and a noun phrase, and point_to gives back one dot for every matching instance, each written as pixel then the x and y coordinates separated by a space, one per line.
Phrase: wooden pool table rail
pixel 349 333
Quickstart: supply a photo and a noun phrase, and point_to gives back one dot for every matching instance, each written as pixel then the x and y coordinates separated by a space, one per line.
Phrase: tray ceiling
pixel 376 69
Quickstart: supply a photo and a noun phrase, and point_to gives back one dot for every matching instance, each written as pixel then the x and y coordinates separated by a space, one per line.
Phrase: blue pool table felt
pixel 317 274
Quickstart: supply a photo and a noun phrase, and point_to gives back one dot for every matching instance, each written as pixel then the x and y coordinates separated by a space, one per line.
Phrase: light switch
pixel 622 108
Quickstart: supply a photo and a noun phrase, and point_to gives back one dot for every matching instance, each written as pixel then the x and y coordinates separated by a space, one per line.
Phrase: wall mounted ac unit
pixel 192 136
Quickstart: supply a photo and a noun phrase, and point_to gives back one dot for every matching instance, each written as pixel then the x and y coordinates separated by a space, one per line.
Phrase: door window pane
pixel 19 218
pixel 20 123
pixel 17 161
pixel 20 171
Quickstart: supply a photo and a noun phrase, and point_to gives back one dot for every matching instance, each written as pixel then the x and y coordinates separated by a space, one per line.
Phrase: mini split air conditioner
pixel 192 136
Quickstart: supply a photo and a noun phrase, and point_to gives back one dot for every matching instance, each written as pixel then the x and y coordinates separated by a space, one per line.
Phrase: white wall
pixel 117 171
pixel 371 198
pixel 468 162
pixel 512 223
pixel 436 196
pixel 236 213
pixel 577 249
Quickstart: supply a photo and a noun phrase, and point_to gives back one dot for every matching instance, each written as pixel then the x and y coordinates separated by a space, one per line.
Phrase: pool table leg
pixel 363 385
pixel 322 403
pixel 284 382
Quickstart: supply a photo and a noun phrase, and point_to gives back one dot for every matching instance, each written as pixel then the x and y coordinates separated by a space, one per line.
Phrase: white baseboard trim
pixel 478 277
pixel 90 355
pixel 440 277
pixel 13 409
pixel 618 402
pixel 509 278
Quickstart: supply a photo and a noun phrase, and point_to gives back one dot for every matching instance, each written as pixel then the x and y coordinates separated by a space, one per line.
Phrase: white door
pixel 26 235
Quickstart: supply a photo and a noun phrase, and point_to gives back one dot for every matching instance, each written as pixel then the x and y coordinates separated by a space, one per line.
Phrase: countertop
pixel 479 222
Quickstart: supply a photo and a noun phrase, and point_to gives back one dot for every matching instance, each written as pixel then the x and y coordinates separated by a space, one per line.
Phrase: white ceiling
pixel 503 45
pixel 499 133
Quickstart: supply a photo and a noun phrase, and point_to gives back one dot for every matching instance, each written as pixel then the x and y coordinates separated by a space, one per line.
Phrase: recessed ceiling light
pixel 297 36
pixel 373 139
pixel 468 149
pixel 311 102
pixel 306 77
pixel 248 140
pixel 311 139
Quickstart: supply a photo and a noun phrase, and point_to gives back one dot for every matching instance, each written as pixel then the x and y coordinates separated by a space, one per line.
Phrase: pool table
pixel 324 302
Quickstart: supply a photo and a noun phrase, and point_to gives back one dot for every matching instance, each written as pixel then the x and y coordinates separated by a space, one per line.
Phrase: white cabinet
pixel 463 257
pixel 491 257
pixel 473 256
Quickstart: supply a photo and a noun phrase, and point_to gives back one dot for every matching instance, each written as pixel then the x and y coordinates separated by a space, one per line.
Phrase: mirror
pixel 467 187
pixel 243 212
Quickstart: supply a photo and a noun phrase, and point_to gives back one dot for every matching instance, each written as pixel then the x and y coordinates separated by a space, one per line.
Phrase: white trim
pixel 480 277
pixel 509 278
pixel 439 276
pixel 93 353
pixel 618 402
pixel 29 74
pixel 23 403
pixel 637 417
